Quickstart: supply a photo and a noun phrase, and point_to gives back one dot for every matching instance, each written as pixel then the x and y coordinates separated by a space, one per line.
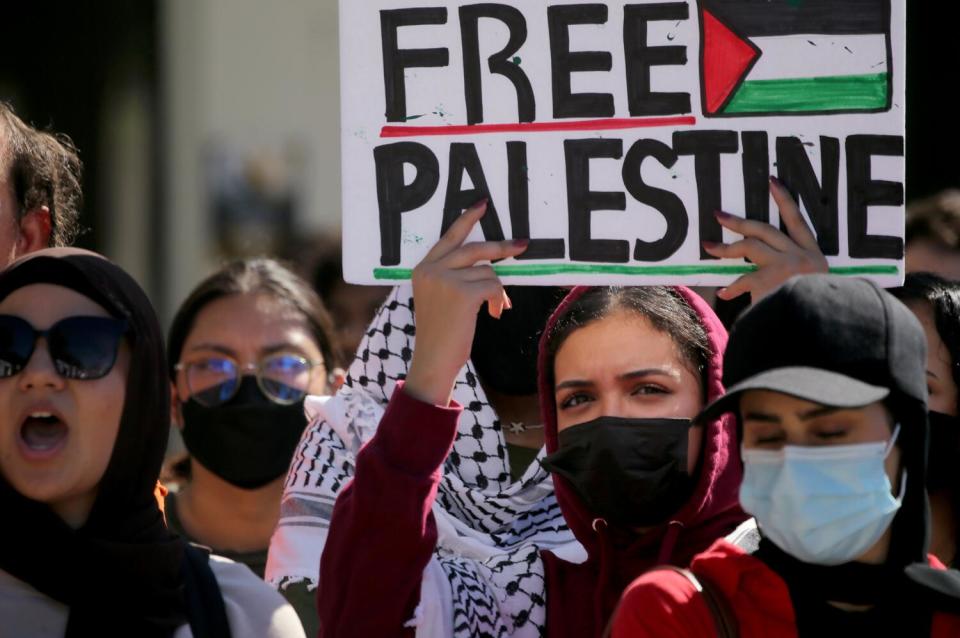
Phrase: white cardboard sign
pixel 609 133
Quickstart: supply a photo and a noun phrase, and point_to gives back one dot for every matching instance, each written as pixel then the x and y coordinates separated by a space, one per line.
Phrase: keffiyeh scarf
pixel 486 577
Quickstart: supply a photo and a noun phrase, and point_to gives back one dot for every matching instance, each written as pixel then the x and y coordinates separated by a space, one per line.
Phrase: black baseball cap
pixel 837 341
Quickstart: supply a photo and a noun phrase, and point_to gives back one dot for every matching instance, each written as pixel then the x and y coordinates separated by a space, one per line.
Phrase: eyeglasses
pixel 83 348
pixel 283 378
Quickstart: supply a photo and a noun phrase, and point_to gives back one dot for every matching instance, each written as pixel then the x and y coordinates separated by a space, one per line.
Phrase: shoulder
pixel 945 625
pixel 28 612
pixel 662 602
pixel 254 609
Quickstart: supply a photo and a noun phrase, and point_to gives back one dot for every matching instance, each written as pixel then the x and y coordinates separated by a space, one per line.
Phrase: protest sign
pixel 609 133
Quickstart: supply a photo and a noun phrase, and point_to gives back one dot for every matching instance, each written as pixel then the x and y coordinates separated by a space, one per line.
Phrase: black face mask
pixel 504 351
pixel 632 472
pixel 249 440
pixel 944 452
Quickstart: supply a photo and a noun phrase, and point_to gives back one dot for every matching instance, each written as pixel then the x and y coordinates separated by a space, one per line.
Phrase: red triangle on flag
pixel 726 59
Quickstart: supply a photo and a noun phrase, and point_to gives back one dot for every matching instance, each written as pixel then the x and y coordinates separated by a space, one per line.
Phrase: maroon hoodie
pixel 581 597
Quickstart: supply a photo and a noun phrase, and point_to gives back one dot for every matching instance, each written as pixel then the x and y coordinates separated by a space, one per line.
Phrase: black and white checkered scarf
pixel 486 577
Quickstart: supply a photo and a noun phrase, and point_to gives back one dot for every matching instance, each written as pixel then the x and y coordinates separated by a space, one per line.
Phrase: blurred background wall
pixel 210 127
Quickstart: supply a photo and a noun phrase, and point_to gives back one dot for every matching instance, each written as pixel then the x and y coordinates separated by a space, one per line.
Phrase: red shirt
pixel 666 605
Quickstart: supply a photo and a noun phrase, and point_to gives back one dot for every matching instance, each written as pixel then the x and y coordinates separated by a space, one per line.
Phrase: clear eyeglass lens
pixel 285 378
pixel 212 381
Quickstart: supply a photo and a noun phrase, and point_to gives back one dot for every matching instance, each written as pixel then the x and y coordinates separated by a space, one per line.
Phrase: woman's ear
pixel 175 414
pixel 338 376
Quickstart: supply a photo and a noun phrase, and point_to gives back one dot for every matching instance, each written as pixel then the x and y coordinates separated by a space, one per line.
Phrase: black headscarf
pixel 121 572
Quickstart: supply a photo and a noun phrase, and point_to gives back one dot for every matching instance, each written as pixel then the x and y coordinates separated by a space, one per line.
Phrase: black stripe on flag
pixel 758 18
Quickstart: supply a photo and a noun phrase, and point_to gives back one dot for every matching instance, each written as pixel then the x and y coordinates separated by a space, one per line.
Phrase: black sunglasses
pixel 80 347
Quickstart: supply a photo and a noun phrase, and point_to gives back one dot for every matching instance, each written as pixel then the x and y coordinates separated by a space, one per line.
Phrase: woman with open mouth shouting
pixel 83 429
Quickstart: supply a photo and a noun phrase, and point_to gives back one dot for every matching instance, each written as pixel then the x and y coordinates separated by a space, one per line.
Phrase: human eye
pixel 771 440
pixel 575 399
pixel 764 435
pixel 831 434
pixel 649 389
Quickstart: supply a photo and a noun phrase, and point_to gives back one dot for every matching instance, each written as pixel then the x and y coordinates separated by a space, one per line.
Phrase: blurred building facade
pixel 210 128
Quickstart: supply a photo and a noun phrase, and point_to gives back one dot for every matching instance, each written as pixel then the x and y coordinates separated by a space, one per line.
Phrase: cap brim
pixel 812 384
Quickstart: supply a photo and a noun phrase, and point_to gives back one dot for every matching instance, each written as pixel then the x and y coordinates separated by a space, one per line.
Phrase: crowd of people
pixel 456 457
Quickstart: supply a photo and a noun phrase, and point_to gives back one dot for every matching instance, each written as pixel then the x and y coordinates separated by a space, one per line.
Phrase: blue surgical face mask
pixel 824 505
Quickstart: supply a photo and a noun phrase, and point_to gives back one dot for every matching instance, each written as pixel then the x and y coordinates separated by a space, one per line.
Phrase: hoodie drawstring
pixel 669 542
pixel 600 621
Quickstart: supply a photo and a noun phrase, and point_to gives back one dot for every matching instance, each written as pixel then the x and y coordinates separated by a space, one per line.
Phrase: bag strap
pixel 205 609
pixel 723 616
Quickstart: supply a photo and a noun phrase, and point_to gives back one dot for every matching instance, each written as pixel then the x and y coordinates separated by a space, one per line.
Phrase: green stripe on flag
pixel 679 270
pixel 828 93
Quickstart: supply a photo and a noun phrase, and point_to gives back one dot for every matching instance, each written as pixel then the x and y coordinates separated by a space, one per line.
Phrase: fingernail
pixel 775 181
pixel 520 243
pixel 710 245
pixel 721 292
pixel 719 214
pixel 508 303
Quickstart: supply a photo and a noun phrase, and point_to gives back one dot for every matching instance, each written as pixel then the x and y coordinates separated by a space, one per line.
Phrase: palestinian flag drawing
pixel 794 57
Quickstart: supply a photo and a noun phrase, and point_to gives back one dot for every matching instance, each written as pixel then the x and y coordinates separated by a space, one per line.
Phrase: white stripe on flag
pixel 810 56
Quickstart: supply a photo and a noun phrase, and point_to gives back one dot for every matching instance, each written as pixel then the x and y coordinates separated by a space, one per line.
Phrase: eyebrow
pixel 282 347
pixel 215 347
pixel 265 351
pixel 761 416
pixel 647 372
pixel 817 412
pixel 634 374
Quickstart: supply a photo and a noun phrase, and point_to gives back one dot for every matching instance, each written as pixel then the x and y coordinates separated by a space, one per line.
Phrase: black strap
pixel 205 609
pixel 723 616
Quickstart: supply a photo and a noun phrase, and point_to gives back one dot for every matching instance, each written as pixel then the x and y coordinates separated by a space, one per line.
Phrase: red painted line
pixel 539 127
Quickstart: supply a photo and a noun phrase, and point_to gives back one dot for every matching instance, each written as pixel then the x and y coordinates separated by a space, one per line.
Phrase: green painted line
pixel 864 270
pixel 534 270
pixel 828 93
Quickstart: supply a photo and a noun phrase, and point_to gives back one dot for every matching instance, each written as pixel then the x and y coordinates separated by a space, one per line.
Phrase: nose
pixel 613 404
pixel 40 371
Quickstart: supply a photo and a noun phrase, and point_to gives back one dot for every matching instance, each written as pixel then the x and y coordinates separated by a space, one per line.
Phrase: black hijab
pixel 121 572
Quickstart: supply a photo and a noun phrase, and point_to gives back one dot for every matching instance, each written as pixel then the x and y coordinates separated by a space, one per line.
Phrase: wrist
pixel 430 384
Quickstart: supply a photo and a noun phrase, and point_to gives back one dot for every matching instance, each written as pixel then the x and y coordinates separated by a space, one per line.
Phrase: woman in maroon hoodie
pixel 622 370
pixel 622 373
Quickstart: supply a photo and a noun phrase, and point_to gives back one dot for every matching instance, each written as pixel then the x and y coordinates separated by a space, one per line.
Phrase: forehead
pixel 617 343
pixel 246 321
pixel 775 403
pixel 44 304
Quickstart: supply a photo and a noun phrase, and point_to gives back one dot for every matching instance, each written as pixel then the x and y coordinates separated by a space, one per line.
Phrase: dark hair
pixel 662 306
pixel 327 272
pixel 943 298
pixel 247 276
pixel 44 170
pixel 936 219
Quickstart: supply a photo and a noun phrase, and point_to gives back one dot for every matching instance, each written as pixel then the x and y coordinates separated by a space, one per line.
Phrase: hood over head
pixel 712 509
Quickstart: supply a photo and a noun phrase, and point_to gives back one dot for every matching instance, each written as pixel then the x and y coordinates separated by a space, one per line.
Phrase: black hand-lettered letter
pixel 863 192
pixel 520 207
pixel 499 63
pixel 667 203
pixel 640 57
pixel 396 61
pixel 819 198
pixel 464 159
pixel 756 175
pixel 564 62
pixel 706 148
pixel 395 197
pixel 581 201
